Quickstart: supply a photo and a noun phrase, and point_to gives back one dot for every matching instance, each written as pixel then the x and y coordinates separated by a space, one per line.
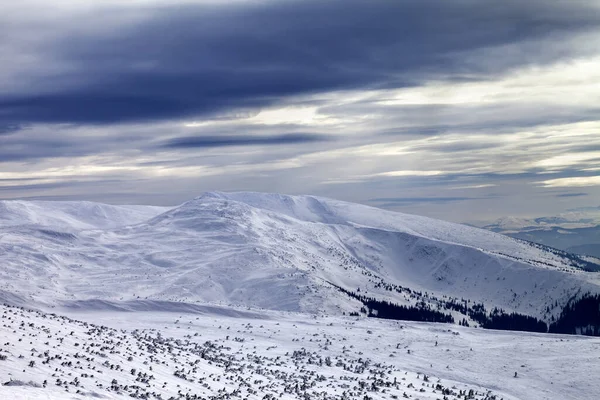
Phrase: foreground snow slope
pixel 269 251
pixel 220 353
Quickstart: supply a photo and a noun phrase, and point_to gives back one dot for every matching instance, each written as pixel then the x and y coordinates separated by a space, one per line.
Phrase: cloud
pixel 409 200
pixel 419 102
pixel 193 142
pixel 571 195
pixel 54 141
pixel 25 187
pixel 439 119
pixel 189 60
pixel 577 181
pixel 408 173
pixel 10 129
pixel 480 186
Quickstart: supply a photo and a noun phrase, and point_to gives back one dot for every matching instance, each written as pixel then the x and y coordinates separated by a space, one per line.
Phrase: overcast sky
pixel 465 110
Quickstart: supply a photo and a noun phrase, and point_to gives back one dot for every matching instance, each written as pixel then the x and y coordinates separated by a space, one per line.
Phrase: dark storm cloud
pixel 10 129
pixel 190 142
pixel 193 60
pixel 26 148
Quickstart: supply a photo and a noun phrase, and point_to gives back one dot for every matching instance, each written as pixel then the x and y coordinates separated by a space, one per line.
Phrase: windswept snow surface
pixel 73 215
pixel 270 355
pixel 268 251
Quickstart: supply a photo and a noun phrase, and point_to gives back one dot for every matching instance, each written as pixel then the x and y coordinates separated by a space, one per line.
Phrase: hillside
pixel 73 215
pixel 214 354
pixel 270 251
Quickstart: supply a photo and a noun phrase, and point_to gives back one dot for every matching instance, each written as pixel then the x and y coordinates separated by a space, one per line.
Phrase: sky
pixel 464 110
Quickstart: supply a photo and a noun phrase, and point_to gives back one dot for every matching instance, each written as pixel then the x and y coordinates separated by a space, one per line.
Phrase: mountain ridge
pixel 576 231
pixel 285 253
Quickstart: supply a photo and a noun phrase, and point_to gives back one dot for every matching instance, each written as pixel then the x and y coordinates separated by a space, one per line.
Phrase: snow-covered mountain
pixel 586 217
pixel 233 266
pixel 271 251
pixel 73 215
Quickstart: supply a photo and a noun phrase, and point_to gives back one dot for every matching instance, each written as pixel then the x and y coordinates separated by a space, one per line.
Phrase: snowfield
pixel 231 353
pixel 249 296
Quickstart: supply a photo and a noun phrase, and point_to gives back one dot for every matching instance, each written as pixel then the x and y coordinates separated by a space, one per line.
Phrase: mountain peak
pixel 267 250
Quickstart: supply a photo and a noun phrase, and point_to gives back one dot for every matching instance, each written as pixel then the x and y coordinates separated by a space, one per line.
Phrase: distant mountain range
pixel 289 253
pixel 576 231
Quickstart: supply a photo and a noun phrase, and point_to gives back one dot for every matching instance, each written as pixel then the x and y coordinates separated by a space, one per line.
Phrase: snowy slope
pixel 270 251
pixel 271 355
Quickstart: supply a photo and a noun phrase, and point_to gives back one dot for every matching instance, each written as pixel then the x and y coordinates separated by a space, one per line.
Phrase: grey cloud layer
pixel 193 60
pixel 119 104
pixel 195 142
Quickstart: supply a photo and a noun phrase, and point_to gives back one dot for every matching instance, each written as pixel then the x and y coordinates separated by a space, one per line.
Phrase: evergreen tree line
pixel 422 312
pixel 496 319
pixel 499 319
pixel 387 310
pixel 580 316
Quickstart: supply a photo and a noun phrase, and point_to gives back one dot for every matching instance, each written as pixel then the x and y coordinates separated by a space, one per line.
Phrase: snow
pixel 576 219
pixel 221 350
pixel 268 251
pixel 237 294
pixel 73 215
